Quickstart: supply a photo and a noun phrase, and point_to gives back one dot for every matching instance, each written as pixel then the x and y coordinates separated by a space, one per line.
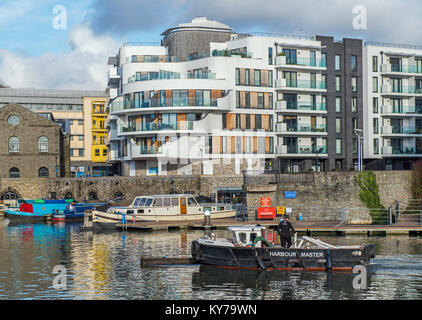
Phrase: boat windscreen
pixel 142 202
pixel 148 202
pixel 137 201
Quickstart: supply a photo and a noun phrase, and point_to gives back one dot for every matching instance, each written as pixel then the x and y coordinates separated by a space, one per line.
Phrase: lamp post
pixel 359 133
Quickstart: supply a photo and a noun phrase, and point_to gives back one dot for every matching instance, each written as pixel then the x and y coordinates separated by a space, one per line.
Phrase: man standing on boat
pixel 283 229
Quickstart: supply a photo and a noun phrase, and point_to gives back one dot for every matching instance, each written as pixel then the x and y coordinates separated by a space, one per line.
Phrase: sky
pixel 65 44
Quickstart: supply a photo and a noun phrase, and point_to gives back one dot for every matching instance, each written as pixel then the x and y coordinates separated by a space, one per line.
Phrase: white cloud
pixel 84 67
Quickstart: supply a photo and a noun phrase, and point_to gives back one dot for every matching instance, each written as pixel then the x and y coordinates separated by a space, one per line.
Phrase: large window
pixel 43 144
pixel 375 125
pixel 43 172
pixel 338 146
pixel 354 104
pixel 354 84
pixel 14 144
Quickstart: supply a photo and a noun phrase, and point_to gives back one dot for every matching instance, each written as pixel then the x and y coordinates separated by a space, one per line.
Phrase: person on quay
pixel 283 229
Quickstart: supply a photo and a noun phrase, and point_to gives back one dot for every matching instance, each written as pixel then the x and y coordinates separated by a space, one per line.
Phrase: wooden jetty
pixel 157 261
pixel 333 227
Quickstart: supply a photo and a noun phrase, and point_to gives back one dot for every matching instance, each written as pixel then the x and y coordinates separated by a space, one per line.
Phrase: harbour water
pixel 59 261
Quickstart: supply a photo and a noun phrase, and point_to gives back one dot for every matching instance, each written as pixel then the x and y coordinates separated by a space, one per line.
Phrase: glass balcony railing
pixel 150 149
pixel 404 109
pixel 401 130
pixel 171 76
pixel 308 62
pixel 305 84
pixel 294 149
pixel 164 102
pixel 306 128
pixel 181 125
pixel 401 68
pixel 403 89
pixel 306 106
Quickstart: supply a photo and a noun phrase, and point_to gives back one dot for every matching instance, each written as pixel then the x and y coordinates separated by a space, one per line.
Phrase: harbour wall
pixel 318 195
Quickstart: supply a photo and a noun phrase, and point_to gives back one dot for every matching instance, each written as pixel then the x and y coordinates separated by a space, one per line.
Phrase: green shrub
pixel 369 194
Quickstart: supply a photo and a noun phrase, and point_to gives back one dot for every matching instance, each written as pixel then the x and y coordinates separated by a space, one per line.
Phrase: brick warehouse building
pixel 32 145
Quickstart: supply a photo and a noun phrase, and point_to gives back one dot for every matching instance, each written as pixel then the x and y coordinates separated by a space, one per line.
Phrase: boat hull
pixel 114 218
pixel 24 216
pixel 282 258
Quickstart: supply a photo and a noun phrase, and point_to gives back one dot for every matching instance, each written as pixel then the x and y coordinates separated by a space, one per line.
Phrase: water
pixel 105 266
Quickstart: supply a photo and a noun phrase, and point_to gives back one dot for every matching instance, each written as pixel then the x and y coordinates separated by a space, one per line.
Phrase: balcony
pixel 113 77
pixel 401 151
pixel 395 68
pixel 303 106
pixel 146 127
pixel 168 75
pixel 391 130
pixel 401 90
pixel 286 128
pixel 299 62
pixel 300 85
pixel 401 110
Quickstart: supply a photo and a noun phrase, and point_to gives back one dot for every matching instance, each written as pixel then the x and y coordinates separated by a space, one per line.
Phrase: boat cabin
pixel 246 235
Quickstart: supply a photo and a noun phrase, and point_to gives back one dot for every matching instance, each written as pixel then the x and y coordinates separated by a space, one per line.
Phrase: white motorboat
pixel 162 208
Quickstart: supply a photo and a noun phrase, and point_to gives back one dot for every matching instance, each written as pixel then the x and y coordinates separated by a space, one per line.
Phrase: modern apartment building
pixel 393 97
pixel 207 100
pixel 259 100
pixel 80 114
pixel 345 103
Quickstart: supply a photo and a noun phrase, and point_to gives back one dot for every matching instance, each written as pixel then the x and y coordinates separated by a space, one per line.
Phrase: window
pixel 224 117
pixel 354 104
pixel 338 125
pixel 257 77
pixel 43 172
pixel 323 59
pixel 81 138
pixel 97 152
pixel 258 124
pixel 247 77
pixel 270 78
pixel 354 84
pixel 354 63
pixel 43 144
pixel 338 83
pixel 13 120
pixel 374 64
pixel 338 104
pixel 338 146
pixel 81 152
pixel 14 173
pixel 375 105
pixel 237 76
pixel 270 55
pixel 375 124
pixel 80 122
pixel 376 146
pixel 375 84
pixel 14 144
pixel 324 81
pixel 248 121
pixel 104 152
pixel 355 123
pixel 338 62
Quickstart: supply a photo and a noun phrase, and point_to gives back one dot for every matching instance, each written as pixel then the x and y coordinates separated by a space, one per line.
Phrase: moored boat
pixel 74 211
pixel 253 247
pixel 36 210
pixel 161 208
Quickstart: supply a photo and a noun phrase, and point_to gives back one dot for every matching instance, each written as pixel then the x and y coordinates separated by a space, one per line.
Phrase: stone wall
pixel 322 197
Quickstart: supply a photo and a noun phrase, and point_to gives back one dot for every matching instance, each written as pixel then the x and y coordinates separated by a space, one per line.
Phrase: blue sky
pixel 34 54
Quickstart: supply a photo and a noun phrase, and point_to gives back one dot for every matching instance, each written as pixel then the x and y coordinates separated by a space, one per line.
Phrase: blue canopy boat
pixel 74 211
pixel 36 210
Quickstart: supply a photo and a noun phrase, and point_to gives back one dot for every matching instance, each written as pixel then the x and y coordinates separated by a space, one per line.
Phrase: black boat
pixel 253 247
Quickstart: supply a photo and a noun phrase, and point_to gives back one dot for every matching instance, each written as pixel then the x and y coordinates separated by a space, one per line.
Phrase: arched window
pixel 14 173
pixel 43 144
pixel 14 144
pixel 43 172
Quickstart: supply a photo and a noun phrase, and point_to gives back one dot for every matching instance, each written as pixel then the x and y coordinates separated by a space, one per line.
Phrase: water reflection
pixel 107 266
